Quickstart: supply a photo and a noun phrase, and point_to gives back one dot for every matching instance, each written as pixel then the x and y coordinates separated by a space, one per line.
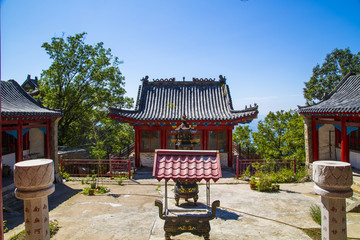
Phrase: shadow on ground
pixel 226 215
pixel 61 194
pixel 220 213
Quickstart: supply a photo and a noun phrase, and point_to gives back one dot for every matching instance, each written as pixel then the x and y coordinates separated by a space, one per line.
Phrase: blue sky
pixel 265 48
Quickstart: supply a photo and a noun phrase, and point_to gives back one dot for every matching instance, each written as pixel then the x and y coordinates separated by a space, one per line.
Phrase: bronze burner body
pixel 198 225
pixel 186 190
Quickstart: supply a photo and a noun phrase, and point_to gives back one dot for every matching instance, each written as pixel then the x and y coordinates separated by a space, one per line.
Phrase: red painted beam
pixel 344 142
pixel 315 139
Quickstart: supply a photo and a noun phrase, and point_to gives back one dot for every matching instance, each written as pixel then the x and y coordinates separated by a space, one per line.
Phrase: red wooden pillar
pixel 47 139
pixel 163 139
pixel 230 153
pixel 344 142
pixel 137 147
pixel 315 139
pixel 19 142
pixel 205 139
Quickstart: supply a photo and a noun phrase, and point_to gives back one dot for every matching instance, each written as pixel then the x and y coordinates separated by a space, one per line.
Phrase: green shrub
pixel 284 175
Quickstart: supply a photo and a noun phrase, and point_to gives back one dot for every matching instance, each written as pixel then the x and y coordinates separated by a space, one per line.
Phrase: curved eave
pixel 312 113
pixel 28 116
pixel 243 119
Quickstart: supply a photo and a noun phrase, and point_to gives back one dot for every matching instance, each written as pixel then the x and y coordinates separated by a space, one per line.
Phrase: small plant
pixel 65 175
pixel 119 181
pixel 158 188
pixel 315 213
pixel 93 181
pixel 87 179
pixel 246 174
pixel 5 228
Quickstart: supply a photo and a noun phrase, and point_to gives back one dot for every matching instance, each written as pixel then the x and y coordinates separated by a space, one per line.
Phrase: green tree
pixel 83 81
pixel 109 137
pixel 325 78
pixel 242 137
pixel 280 135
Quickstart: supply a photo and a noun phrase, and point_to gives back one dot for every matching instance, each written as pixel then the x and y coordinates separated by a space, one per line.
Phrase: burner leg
pixel 206 236
pixel 167 236
pixel 196 197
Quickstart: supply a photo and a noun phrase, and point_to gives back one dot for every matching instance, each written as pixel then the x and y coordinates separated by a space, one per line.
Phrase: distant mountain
pixel 254 123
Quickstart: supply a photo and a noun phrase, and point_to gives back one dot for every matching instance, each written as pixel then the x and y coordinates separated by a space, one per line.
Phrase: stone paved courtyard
pixel 128 212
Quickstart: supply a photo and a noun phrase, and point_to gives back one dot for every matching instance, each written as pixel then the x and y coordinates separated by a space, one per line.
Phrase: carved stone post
pixel 333 182
pixel 34 182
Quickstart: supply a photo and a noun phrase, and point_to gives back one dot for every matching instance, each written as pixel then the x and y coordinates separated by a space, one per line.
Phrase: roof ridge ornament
pixel 164 80
pixel 145 79
pixel 203 79
pixel 222 79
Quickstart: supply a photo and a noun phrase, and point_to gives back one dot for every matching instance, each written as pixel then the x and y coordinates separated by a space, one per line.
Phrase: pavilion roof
pixel 344 99
pixel 199 100
pixel 16 103
pixel 187 165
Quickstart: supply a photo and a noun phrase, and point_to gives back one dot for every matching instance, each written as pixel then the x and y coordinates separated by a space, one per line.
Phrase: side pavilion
pixel 29 130
pixel 159 109
pixel 332 125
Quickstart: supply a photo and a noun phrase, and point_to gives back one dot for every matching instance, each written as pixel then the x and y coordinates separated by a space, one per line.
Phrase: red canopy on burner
pixel 187 165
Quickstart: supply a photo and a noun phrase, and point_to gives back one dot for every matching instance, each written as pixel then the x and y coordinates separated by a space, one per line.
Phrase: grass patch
pixel 313 233
pixel 98 190
pixel 53 225
pixel 315 213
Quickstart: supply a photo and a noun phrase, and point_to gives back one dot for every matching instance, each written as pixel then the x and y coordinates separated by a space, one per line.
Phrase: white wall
pixel 354 158
pixel 36 139
pixel 224 159
pixel 147 159
pixel 9 159
pixel 324 142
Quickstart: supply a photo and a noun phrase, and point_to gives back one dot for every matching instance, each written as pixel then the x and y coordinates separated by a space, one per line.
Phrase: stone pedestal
pixel 34 182
pixel 333 182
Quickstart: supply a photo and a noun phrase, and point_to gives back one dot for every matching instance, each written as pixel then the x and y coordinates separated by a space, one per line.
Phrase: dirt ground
pixel 128 211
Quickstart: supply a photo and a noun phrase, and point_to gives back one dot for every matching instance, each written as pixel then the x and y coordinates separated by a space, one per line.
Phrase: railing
pixel 241 165
pixel 126 151
pixel 114 166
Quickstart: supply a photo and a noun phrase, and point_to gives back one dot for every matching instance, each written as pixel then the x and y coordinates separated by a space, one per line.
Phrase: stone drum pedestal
pixel 333 182
pixel 34 182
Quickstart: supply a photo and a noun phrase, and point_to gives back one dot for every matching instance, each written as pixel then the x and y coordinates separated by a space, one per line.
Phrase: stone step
pixel 8 194
pixel 11 203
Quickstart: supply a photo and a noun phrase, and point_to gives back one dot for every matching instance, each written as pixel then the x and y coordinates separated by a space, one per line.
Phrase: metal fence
pixel 114 166
pixel 241 165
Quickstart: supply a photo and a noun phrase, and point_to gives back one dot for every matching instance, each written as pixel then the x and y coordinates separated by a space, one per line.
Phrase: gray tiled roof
pixel 15 102
pixel 345 99
pixel 33 83
pixel 200 101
